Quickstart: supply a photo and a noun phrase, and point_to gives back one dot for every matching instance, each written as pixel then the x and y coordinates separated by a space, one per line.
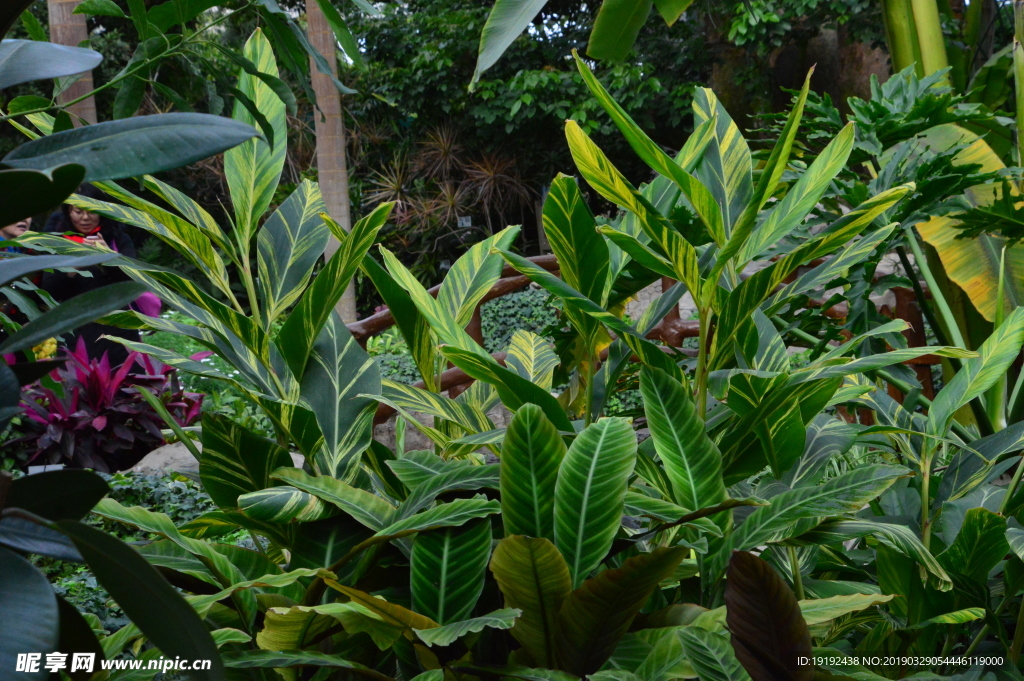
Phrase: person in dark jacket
pixel 91 229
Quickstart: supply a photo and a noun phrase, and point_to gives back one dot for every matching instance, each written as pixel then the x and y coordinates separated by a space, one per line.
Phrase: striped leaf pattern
pixel 369 509
pixel 253 169
pixel 648 352
pixel 569 226
pixel 302 327
pixel 711 655
pixel 725 168
pixel 454 478
pixel 533 578
pixel 425 402
pixel 236 461
pixel 590 491
pixel 691 459
pixel 846 493
pixel 610 183
pixel 288 247
pixel 284 504
pixel 453 514
pixel 700 198
pixel 977 375
pixel 801 197
pixel 179 233
pixel 339 375
pixel 192 211
pixel 530 459
pixel 532 357
pixel 473 275
pixel 448 634
pixel 447 569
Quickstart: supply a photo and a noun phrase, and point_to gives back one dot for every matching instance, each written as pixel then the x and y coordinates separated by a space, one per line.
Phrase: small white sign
pixel 466 221
pixel 32 470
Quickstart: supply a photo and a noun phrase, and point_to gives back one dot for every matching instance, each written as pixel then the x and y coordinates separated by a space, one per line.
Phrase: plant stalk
pixel 798 579
pixel 701 397
pixel 952 329
pixel 1018 72
pixel 932 43
pixel 901 34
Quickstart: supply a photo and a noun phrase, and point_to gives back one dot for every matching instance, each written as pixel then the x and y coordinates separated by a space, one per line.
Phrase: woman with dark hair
pixel 84 227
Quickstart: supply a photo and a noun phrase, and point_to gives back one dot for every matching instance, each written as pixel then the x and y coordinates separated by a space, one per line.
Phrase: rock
pixel 177 457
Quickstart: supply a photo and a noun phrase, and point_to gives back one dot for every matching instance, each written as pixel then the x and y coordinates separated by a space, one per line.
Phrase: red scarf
pixel 78 237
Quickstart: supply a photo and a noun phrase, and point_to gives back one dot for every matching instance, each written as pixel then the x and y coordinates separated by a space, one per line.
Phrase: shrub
pixel 90 417
pixel 529 309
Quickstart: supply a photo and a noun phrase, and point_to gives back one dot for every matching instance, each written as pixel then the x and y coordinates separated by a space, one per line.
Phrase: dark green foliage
pixel 529 309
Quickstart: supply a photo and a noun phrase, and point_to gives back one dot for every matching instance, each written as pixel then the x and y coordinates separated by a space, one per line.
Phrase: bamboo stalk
pixel 901 35
pixel 929 35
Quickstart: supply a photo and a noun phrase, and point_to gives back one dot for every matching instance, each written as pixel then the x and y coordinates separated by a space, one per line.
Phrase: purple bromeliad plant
pixel 92 416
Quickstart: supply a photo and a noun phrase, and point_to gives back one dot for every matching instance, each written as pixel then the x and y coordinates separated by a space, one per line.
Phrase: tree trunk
pixel 330 141
pixel 71 29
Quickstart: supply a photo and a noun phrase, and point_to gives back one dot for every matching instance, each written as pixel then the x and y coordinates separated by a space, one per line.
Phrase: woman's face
pixel 15 230
pixel 83 221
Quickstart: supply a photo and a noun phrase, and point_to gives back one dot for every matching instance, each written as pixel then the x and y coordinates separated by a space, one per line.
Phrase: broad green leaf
pixel 37 190
pixel 416 467
pixel 616 27
pixel 134 146
pixel 897 537
pixel 977 375
pixel 955 617
pixel 455 478
pixel 283 504
pixel 973 263
pixel 447 570
pixel 816 611
pixel 590 491
pixel 846 493
pixel 534 578
pixel 289 629
pixel 369 509
pixel 192 211
pixel 452 514
pixel 303 326
pixel 692 461
pixel 570 228
pixel 473 275
pixel 253 169
pixel 978 547
pixel 801 197
pixel 55 495
pixel 448 634
pixel 183 236
pixel 145 596
pixel 506 21
pixel 334 386
pixel 410 323
pixel 711 655
pixel 530 459
pixel 826 437
pixel 29 600
pixel 415 399
pixel 22 61
pixel 288 247
pixel 391 613
pixel 236 461
pixel 32 537
pixel 532 357
pixel 595 616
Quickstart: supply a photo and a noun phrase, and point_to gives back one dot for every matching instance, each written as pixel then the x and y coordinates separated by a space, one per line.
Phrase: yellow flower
pixel 46 349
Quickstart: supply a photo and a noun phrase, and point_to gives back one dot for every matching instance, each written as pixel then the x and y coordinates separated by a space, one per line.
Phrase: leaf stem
pixel 798 579
pixel 952 329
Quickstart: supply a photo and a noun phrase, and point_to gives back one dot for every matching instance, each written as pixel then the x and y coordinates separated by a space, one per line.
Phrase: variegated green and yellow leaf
pixel 302 327
pixel 236 461
pixel 253 169
pixel 530 458
pixel 532 357
pixel 284 504
pixel 288 247
pixel 334 386
pixel 447 569
pixel 725 168
pixel 192 211
pixel 473 275
pixel 369 509
pixel 590 491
